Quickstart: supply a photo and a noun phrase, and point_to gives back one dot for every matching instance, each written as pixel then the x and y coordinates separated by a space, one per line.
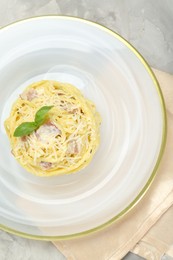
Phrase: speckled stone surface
pixel 147 24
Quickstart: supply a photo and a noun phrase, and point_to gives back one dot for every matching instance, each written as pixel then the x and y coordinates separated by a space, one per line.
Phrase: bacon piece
pixel 74 147
pixel 23 138
pixel 45 165
pixel 47 129
pixel 29 95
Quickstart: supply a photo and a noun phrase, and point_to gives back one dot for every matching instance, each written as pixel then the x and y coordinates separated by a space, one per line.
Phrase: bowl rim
pixel 163 141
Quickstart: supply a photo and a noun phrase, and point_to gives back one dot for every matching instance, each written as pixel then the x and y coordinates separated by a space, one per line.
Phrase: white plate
pixel 110 72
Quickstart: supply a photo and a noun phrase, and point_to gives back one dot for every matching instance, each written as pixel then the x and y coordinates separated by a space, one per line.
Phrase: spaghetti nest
pixel 67 140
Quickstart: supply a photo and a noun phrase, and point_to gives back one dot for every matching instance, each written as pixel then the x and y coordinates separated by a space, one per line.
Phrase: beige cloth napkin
pixel 117 240
pixel 158 240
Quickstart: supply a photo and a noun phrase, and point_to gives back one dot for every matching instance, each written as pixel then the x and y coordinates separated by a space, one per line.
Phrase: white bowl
pixel 110 72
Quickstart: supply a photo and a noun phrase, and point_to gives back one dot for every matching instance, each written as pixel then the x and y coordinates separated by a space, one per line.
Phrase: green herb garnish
pixel 25 129
pixel 28 127
pixel 41 115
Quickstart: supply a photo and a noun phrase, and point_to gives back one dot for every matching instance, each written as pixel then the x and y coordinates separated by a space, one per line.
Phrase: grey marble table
pixel 147 24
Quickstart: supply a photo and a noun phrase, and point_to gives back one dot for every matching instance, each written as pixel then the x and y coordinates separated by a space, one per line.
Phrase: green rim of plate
pixel 164 135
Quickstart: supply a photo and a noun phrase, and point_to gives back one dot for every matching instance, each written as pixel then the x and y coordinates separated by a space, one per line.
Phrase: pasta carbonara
pixel 66 141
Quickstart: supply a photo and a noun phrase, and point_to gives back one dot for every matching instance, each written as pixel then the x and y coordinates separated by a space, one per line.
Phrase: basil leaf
pixel 25 129
pixel 41 115
pixel 28 127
